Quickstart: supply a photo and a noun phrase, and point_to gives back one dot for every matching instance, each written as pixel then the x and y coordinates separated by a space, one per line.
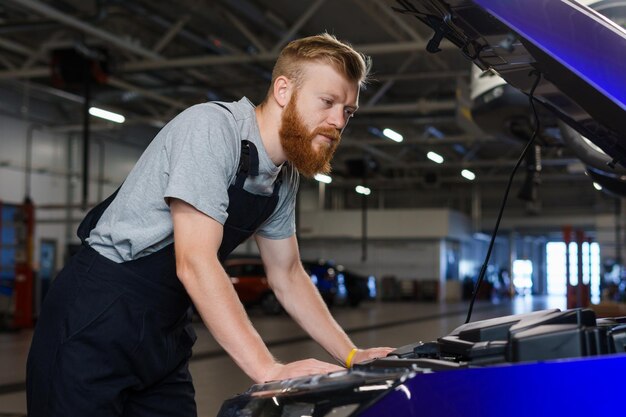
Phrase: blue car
pixel 324 276
pixel 337 285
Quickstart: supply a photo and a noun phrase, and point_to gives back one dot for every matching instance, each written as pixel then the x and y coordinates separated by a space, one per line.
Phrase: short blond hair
pixel 323 48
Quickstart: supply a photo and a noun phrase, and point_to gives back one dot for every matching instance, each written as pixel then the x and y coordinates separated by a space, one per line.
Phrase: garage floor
pixel 371 324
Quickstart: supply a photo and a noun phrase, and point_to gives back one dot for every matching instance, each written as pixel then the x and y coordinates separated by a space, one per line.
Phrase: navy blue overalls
pixel 114 339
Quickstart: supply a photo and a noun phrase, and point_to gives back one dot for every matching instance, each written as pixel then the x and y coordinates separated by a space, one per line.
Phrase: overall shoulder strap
pixel 249 157
pixel 91 219
pixel 248 162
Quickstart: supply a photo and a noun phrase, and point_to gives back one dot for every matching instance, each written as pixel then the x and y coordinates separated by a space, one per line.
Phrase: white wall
pixel 406 244
pixel 55 177
pixel 404 259
pixel 384 224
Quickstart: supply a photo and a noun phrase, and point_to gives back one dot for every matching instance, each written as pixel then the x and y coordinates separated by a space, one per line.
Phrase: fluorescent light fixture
pixel 466 173
pixel 108 115
pixel 363 190
pixel 393 135
pixel 435 157
pixel 323 178
pixel 597 186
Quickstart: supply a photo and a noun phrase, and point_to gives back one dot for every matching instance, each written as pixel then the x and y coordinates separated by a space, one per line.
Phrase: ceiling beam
pixel 15 47
pixel 401 182
pixel 304 17
pixel 123 85
pixel 416 76
pixel 171 33
pixel 54 14
pixel 488 163
pixel 7 63
pixel 17 74
pixel 111 39
pixel 242 27
pixel 78 99
pixel 211 60
pixel 374 13
pixel 401 23
pixel 419 106
pixel 448 140
pixel 38 54
pixel 382 90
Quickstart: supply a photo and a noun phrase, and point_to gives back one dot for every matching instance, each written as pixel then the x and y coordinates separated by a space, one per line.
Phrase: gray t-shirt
pixel 193 158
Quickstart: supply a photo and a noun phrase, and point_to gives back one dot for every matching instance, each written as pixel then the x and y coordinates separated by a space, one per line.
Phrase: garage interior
pixel 421 228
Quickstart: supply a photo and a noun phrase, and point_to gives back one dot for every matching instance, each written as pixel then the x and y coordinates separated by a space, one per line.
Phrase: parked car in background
pixel 247 275
pixel 358 287
pixel 337 285
pixel 324 276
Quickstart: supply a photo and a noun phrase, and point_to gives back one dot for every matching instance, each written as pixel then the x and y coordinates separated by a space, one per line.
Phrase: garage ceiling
pixel 166 57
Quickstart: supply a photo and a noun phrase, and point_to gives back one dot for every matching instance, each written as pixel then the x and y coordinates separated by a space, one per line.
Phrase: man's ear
pixel 282 89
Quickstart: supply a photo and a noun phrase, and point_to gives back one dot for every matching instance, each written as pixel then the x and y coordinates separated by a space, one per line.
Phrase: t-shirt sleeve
pixel 202 150
pixel 282 223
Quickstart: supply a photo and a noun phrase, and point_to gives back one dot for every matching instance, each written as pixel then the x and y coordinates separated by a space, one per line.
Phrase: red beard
pixel 297 143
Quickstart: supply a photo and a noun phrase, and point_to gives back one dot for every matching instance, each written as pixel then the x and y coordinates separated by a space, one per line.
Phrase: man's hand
pixel 314 367
pixel 299 368
pixel 363 355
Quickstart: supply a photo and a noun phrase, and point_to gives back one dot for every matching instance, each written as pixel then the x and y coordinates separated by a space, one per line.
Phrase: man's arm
pixel 197 238
pixel 293 287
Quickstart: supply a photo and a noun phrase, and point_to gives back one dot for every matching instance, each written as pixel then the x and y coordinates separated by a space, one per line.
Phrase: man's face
pixel 314 117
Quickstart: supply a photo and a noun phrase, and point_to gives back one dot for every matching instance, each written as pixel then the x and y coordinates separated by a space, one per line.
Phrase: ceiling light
pixel 597 186
pixel 466 173
pixel 393 135
pixel 108 115
pixel 435 157
pixel 363 190
pixel 323 178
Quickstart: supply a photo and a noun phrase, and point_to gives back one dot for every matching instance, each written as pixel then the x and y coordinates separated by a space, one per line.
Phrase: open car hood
pixel 579 53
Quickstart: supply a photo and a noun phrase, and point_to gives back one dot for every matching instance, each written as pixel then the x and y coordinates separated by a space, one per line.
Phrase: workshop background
pixel 419 229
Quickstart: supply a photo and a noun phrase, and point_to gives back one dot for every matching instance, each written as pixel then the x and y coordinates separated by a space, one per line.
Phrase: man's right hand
pixel 299 368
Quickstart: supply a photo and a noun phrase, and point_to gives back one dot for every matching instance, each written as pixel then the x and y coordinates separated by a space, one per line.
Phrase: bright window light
pixel 393 135
pixel 522 275
pixel 323 178
pixel 466 173
pixel 597 186
pixel 435 157
pixel 108 115
pixel 363 190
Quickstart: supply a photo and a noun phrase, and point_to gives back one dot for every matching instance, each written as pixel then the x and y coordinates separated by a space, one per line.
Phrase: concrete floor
pixel 371 324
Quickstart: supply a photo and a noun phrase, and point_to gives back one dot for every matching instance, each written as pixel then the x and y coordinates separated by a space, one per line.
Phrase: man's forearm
pixel 197 241
pixel 304 304
pixel 222 313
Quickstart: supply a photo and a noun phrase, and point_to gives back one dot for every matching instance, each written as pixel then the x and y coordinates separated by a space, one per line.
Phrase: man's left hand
pixel 363 355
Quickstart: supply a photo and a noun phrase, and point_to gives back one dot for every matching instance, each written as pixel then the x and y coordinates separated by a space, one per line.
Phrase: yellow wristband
pixel 350 357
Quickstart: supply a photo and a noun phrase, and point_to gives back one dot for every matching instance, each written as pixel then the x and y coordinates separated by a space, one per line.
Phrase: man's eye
pixel 327 102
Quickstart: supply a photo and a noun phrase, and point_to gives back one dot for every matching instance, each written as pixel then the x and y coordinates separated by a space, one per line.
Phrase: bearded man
pixel 114 337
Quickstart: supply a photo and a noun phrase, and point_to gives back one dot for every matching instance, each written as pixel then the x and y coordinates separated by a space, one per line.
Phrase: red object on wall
pixel 578 296
pixel 24 276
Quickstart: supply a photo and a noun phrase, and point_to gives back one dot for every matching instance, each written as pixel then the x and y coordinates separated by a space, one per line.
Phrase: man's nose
pixel 337 118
